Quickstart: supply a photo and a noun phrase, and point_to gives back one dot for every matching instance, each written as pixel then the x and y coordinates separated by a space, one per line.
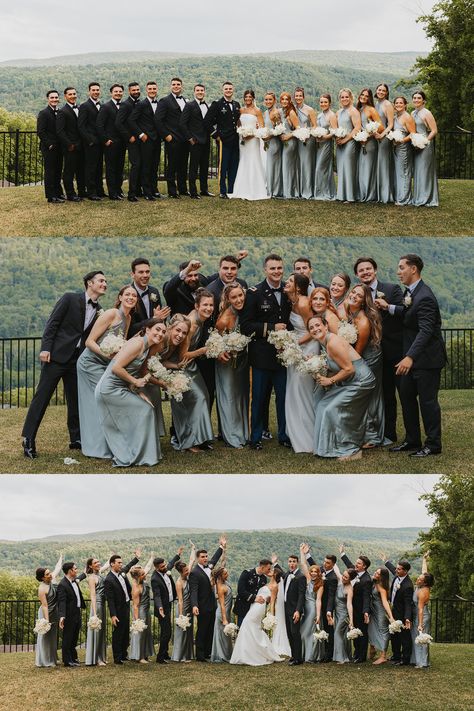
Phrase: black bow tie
pixel 145 293
pixel 154 101
pixel 74 106
pixel 117 103
pixel 202 102
pixel 97 103
pixel 276 288
pixel 94 304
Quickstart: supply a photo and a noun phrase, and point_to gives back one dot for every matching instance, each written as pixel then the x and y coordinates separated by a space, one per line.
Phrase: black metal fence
pixel 21 162
pixel 20 368
pixel 452 621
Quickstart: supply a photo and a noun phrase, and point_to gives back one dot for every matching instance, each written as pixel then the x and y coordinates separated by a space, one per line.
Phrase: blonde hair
pixel 347 91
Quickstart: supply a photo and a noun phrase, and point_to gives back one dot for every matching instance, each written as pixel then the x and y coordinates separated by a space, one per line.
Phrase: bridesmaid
pixel 46 653
pixel 92 364
pixel 127 416
pixel 338 288
pixel 380 615
pixel 307 150
pixel 339 428
pixel 289 154
pixel 313 651
pixel 343 615
pixel 324 183
pixel 425 182
pixel 222 643
pixel 232 378
pixel 96 644
pixel 273 147
pixel 403 152
pixel 183 639
pixel 367 160
pixel 385 189
pixel 141 645
pixel 420 655
pixel 346 149
pixel 321 305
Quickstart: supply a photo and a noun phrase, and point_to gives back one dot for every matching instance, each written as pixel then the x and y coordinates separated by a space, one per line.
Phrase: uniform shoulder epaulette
pixel 252 288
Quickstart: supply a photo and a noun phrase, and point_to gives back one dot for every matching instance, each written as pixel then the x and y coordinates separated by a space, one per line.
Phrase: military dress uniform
pixel 249 584
pixel 224 116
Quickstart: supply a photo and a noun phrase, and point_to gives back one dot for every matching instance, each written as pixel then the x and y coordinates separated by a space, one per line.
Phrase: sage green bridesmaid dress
pixel 367 166
pixel 46 652
pixel 342 646
pixel 273 161
pixel 141 643
pixel 378 633
pixel 385 167
pixel 306 159
pixel 425 182
pixel 96 649
pixel 375 423
pixel 420 654
pixel 324 183
pixel 346 161
pixel 183 639
pixel 403 161
pixel 232 392
pixel 221 643
pixel 289 163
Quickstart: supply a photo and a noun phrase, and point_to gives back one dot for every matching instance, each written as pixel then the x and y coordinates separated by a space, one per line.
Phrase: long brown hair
pixel 371 312
pixel 291 106
pixel 318 581
pixel 224 302
pixel 322 290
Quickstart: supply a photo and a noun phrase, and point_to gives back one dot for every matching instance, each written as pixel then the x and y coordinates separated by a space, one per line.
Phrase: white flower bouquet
pixel 419 140
pixel 348 331
pixel 94 623
pixel 423 638
pixel 354 633
pixel 372 127
pixel 320 635
pixel 395 626
pixel 263 132
pixel 396 136
pixel 111 344
pixel 157 369
pixel 235 342
pixel 269 622
pixel 318 131
pixel 338 132
pixel 177 384
pixel 215 344
pixel 314 365
pixel 42 626
pixel 245 132
pixel 281 339
pixel 290 355
pixel 138 626
pixel 302 133
pixel 361 137
pixel 183 622
pixel 231 630
pixel 278 129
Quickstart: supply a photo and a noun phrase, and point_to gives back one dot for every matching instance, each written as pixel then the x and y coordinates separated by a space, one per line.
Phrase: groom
pixel 294 585
pixel 250 582
pixel 203 600
pixel 222 118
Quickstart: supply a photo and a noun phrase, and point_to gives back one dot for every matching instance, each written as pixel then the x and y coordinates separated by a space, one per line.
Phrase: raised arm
pixel 149 564
pixel 57 569
pixel 304 549
pixel 192 555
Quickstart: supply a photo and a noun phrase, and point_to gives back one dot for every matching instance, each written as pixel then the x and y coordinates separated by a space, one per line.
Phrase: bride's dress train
pixel 250 183
pixel 253 646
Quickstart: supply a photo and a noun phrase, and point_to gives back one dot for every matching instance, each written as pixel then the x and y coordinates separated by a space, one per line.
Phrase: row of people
pixel 307 600
pixel 75 140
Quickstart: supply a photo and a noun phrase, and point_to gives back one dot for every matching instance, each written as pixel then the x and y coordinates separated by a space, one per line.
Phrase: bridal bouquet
pixel 235 342
pixel 281 339
pixel 348 331
pixel 245 132
pixel 263 132
pixel 269 622
pixel 157 369
pixel 314 365
pixel 338 132
pixel 372 127
pixel 361 137
pixel 231 630
pixel 318 131
pixel 354 633
pixel 215 344
pixel 278 129
pixel 183 622
pixel 291 354
pixel 423 638
pixel 138 626
pixel 94 623
pixel 395 626
pixel 111 344
pixel 302 134
pixel 320 635
pixel 42 626
pixel 178 384
pixel 396 136
pixel 419 140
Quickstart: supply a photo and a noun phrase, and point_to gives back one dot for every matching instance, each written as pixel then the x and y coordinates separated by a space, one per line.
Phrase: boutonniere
pixel 153 297
pixel 168 573
pixel 99 312
pixel 407 300
pixel 356 581
pixel 380 295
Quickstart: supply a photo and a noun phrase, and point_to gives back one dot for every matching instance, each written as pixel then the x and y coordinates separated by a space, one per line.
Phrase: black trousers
pixel 51 374
pixel 134 183
pixel 293 630
pixel 390 386
pixel 361 644
pixel 330 630
pixel 229 162
pixel 419 393
pixel 114 156
pixel 150 152
pixel 121 634
pixel 165 636
pixel 199 166
pixel 401 646
pixel 53 163
pixel 73 168
pixel 204 634
pixel 72 627
pixel 177 153
pixel 93 156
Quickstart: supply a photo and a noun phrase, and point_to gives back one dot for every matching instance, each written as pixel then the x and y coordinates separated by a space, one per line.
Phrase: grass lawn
pixel 52 443
pixel 25 213
pixel 445 686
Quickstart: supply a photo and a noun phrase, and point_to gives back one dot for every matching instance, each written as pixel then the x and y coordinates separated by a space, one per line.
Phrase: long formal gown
pixel 403 163
pixel 378 632
pixel 141 643
pixel 129 422
pixel 425 182
pixel 232 392
pixel 420 654
pixel 273 161
pixel 253 646
pixel 289 163
pixel 221 643
pixel 324 183
pixel 280 640
pixel 346 161
pixel 90 369
pixel 308 625
pixel 191 418
pixel 341 412
pixel 306 159
pixel 96 648
pixel 375 423
pixel 46 652
pixel 250 181
pixel 183 639
pixel 367 166
pixel 385 166
pixel 342 646
pixel 299 395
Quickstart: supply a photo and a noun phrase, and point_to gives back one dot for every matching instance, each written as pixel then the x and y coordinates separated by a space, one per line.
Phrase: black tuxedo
pixel 203 597
pixel 71 612
pixel 140 313
pixel 361 605
pixel 223 116
pixel 51 150
pixel 423 342
pixel 402 610
pixel 144 120
pixel 161 600
pixel 179 297
pixel 249 584
pixel 114 153
pixel 119 607
pixel 126 131
pixel 93 152
pixel 294 602
pixel 73 153
pixel 168 118
pixel 64 337
pixel 193 127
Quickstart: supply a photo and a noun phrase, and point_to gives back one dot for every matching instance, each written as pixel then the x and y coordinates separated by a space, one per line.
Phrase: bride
pixel 250 180
pixel 253 646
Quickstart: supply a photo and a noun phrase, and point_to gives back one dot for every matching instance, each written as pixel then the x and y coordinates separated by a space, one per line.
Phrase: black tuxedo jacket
pixel 106 122
pixel 46 128
pixel 160 591
pixel 224 116
pixel 296 592
pixel 67 600
pixel 202 594
pixel 422 339
pixel 192 123
pixel 260 314
pixel 65 327
pixel 143 120
pixel 362 591
pixel 122 121
pixel 67 128
pixel 168 119
pixel 402 603
pixel 179 296
pixel 140 313
pixel 114 593
pixel 329 589
pixel 249 584
pixel 392 326
pixel 87 123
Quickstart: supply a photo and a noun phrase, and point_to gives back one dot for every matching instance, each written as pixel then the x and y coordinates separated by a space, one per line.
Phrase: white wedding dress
pixel 250 183
pixel 253 646
pixel 280 641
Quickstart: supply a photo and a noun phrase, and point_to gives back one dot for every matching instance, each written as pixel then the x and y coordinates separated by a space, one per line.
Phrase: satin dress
pixel 289 163
pixel 306 159
pixel 378 633
pixel 141 643
pixel 346 161
pixel 425 182
pixel 183 639
pixel 232 392
pixel 385 167
pixel 46 651
pixel 250 183
pixel 273 153
pixel 420 654
pixel 324 183
pixel 221 643
pixel 403 164
pixel 253 646
pixel 367 166
pixel 342 645
pixel 375 423
pixel 96 649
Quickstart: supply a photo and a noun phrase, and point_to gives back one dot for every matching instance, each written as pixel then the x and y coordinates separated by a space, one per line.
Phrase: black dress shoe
pixel 75 445
pixel 175 196
pixel 151 198
pixel 206 447
pixel 61 198
pixel 55 200
pixel 201 660
pixel 206 193
pixel 285 444
pixel 69 665
pixel 185 194
pixel 161 661
pixel 256 445
pixel 157 195
pixel 114 197
pixel 195 197
pixel 424 452
pixel 94 198
pixel 294 662
pixel 266 434
pixel 29 448
pixel 118 661
pixel 223 196
pixel 132 198
pixel 74 198
pixel 404 447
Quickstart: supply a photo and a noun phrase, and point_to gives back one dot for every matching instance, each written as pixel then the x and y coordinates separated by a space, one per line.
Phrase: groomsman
pixel 118 593
pixel 365 270
pixel 197 135
pixel 63 341
pixel 222 119
pixel 362 586
pixel 113 145
pixel 130 140
pixel 229 266
pixel 50 147
pixel 266 309
pixel 250 582
pixel 328 599
pixel 303 266
pixel 70 605
pixel 149 301
pixel 164 594
pixel 203 600
pixel 179 291
pixel 93 152
pixel 424 358
pixel 294 585
pixel 168 119
pixel 143 125
pixel 401 599
pixel 73 154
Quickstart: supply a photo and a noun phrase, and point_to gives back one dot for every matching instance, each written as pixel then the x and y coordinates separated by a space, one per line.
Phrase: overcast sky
pixel 38 506
pixel 44 29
